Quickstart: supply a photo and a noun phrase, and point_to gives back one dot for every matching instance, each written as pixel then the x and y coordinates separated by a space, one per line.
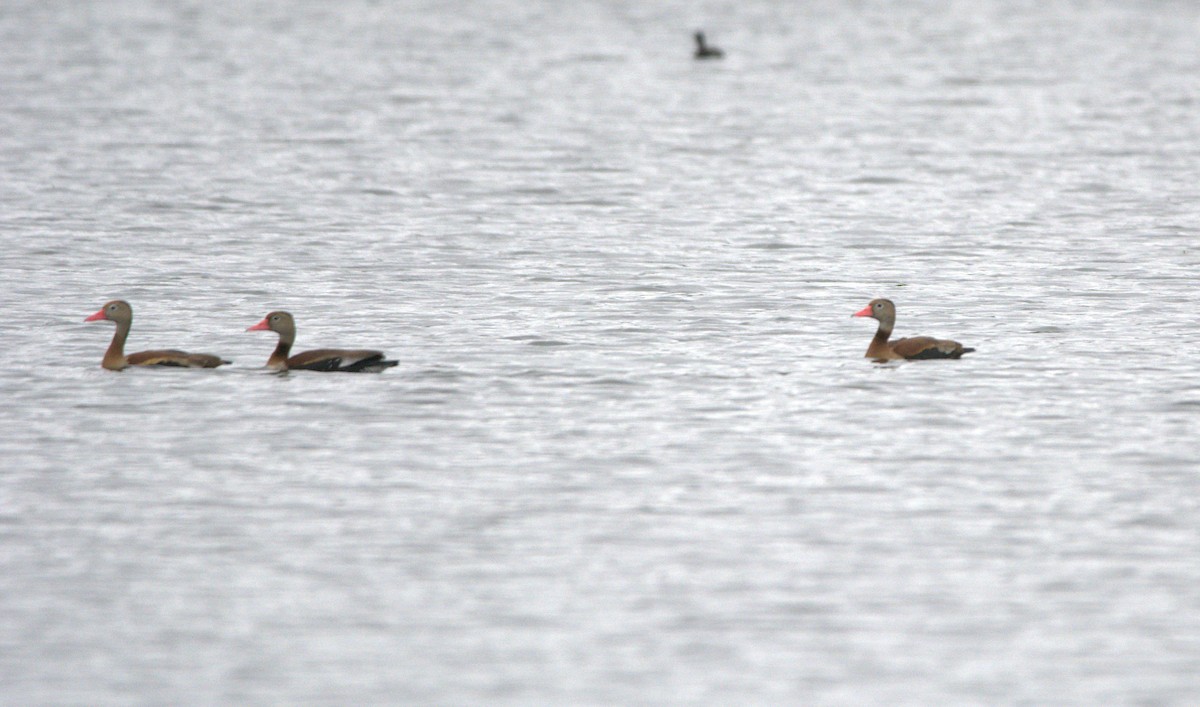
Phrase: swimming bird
pixel 703 51
pixel 120 313
pixel 348 360
pixel 915 348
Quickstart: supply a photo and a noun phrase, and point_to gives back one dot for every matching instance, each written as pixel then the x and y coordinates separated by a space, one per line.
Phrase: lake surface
pixel 632 452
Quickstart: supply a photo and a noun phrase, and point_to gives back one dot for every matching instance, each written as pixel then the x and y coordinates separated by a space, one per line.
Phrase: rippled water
pixel 632 452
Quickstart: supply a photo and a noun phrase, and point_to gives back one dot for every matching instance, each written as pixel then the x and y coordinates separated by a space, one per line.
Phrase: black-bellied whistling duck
pixel 349 360
pixel 703 51
pixel 120 313
pixel 915 348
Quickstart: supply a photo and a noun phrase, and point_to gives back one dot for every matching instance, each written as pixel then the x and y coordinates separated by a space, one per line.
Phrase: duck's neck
pixel 114 357
pixel 279 356
pixel 879 344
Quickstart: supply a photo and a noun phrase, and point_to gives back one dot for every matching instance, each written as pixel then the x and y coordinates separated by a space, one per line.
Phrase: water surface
pixel 632 452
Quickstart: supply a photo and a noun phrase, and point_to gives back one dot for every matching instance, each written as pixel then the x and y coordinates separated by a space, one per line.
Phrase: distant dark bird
pixel 917 347
pixel 703 51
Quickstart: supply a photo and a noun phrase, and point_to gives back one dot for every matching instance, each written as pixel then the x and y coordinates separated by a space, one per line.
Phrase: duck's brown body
pixel 120 313
pixel 346 360
pixel 913 348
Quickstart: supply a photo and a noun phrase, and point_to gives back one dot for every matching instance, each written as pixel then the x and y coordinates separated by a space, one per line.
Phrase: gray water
pixel 632 452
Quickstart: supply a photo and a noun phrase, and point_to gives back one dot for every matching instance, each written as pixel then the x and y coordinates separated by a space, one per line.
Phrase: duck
pixel 703 51
pixel 121 313
pixel 911 349
pixel 326 360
